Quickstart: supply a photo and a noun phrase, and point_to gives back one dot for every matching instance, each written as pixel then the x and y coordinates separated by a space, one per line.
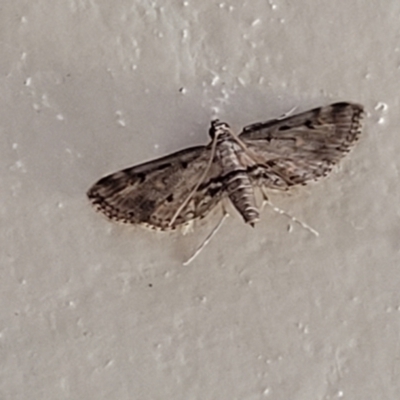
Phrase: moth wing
pixel 151 193
pixel 303 147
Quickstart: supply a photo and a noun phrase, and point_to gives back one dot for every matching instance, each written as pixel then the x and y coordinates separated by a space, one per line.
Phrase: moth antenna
pixel 188 198
pixel 240 143
pixel 207 239
pixel 291 217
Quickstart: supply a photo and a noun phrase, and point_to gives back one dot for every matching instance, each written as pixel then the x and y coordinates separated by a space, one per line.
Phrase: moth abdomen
pixel 241 193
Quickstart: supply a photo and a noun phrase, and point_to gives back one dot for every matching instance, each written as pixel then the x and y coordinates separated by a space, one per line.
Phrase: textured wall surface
pixel 94 310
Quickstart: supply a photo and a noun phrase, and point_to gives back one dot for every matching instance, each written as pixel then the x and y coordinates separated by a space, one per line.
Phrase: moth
pixel 279 154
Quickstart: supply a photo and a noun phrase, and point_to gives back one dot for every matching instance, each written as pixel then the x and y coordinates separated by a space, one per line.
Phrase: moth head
pixel 217 128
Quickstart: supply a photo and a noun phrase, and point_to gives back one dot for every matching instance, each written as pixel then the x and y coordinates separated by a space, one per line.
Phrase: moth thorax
pixel 218 129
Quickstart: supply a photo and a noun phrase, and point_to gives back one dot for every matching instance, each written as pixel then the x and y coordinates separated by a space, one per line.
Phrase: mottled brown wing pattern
pixel 276 154
pixel 150 194
pixel 304 147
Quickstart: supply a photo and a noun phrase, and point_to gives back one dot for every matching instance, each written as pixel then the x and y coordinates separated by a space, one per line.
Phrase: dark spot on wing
pixel 284 127
pixel 162 166
pixel 309 124
pixel 213 190
pixel 170 198
pixel 106 181
pixel 218 181
pixel 341 105
pixel 146 205
pixel 141 177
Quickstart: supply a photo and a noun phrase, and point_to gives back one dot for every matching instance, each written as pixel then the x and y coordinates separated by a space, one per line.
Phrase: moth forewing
pixel 150 193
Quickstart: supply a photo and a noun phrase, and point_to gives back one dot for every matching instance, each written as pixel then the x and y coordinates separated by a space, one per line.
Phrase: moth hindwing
pixel 278 154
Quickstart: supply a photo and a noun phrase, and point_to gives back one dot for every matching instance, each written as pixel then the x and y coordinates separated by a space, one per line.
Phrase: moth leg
pixel 287 113
pixel 187 227
pixel 208 239
pixel 286 214
pixel 194 190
